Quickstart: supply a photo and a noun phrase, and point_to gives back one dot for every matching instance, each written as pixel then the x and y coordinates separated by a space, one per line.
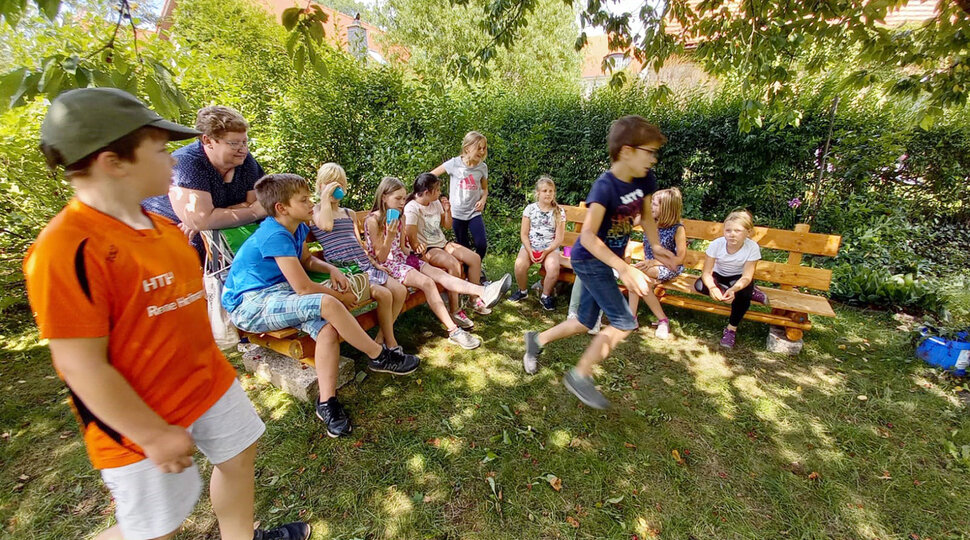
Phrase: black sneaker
pixel 518 295
pixel 583 388
pixel 394 361
pixel 548 302
pixel 335 417
pixel 297 530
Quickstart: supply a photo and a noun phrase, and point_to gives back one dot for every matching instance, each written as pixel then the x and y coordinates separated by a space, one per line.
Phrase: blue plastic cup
pixel 392 214
pixel 339 193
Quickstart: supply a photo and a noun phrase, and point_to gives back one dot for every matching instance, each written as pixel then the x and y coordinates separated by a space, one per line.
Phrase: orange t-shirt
pixel 91 275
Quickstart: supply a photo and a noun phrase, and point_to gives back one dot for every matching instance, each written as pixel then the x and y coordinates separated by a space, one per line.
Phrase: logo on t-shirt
pixel 468 182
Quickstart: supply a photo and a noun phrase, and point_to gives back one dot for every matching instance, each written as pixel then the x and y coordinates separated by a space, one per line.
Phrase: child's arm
pixel 295 273
pixel 480 205
pixel 446 212
pixel 323 212
pixel 650 229
pixel 677 258
pixel 524 236
pixel 83 362
pixel 439 170
pixel 747 276
pixel 381 242
pixel 412 232
pixel 634 279
pixel 707 277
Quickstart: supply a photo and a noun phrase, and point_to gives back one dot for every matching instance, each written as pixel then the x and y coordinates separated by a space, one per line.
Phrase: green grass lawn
pixel 700 443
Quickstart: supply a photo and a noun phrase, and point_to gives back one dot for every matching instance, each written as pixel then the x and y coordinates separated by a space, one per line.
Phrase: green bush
pixel 861 285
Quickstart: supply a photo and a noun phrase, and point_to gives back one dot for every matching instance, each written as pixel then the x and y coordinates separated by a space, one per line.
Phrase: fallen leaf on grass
pixel 630 445
pixel 573 522
pixel 554 481
pixel 813 476
pixel 677 458
pixel 885 476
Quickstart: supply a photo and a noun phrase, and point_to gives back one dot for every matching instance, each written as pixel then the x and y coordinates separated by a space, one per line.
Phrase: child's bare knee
pixel 381 294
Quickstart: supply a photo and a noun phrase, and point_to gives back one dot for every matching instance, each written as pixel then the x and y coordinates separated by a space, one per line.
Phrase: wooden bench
pixel 300 346
pixel 789 307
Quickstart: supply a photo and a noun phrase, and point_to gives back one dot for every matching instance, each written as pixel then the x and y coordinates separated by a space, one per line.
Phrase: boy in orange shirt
pixel 118 292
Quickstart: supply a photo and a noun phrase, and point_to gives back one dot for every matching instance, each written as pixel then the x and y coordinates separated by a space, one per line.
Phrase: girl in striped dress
pixel 333 227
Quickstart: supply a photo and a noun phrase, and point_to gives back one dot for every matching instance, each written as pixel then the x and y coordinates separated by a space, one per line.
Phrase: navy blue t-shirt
pixel 623 202
pixel 194 171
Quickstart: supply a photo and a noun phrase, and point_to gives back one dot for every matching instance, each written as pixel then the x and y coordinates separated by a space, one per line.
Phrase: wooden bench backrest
pixel 788 274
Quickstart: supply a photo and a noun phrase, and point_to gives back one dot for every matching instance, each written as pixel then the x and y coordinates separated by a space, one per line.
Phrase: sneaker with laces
pixel 334 416
pixel 583 388
pixel 394 361
pixel 518 296
pixel 548 302
pixel 496 290
pixel 297 530
pixel 728 339
pixel 759 296
pixel 530 360
pixel 462 320
pixel 663 329
pixel 463 339
pixel 480 308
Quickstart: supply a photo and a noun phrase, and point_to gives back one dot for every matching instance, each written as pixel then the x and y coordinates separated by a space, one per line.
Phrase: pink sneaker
pixel 462 320
pixel 663 329
pixel 480 307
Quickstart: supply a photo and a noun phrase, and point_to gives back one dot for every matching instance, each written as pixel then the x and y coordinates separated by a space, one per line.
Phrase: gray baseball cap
pixel 84 120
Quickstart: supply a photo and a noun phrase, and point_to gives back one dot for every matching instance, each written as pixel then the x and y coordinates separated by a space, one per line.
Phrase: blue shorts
pixel 277 308
pixel 600 292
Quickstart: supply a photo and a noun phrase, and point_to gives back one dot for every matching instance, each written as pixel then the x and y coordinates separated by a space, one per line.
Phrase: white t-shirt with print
pixel 428 221
pixel 465 188
pixel 732 264
pixel 542 225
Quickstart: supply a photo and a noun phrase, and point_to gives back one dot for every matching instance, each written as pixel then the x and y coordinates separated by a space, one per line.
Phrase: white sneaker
pixel 462 320
pixel 463 339
pixel 663 329
pixel 479 307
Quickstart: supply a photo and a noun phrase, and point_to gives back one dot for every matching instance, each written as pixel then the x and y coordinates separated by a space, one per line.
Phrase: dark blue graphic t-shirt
pixel 623 202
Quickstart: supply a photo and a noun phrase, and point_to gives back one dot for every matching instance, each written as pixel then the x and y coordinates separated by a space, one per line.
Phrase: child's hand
pixel 445 204
pixel 348 298
pixel 728 295
pixel 170 449
pixel 328 190
pixel 480 205
pixel 339 281
pixel 715 293
pixel 635 280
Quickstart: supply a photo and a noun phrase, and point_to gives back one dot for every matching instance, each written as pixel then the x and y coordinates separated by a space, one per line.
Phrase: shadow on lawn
pixel 767 446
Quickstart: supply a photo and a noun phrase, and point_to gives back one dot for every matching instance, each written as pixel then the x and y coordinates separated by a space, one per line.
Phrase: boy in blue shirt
pixel 268 289
pixel 616 199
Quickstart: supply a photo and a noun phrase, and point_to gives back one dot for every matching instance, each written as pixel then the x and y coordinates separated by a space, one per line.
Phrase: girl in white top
pixel 728 274
pixel 542 231
pixel 425 213
pixel 468 191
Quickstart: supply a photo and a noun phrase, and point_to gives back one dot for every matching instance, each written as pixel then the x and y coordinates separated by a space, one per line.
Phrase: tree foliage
pixel 441 38
pixel 771 44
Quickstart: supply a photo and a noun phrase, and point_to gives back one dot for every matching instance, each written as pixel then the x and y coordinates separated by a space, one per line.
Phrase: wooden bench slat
pixel 800 242
pixel 787 300
pixel 698 304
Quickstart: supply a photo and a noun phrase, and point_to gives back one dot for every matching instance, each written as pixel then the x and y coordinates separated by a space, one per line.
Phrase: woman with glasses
pixel 213 179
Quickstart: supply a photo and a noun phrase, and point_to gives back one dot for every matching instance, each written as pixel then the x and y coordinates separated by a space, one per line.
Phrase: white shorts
pixel 150 503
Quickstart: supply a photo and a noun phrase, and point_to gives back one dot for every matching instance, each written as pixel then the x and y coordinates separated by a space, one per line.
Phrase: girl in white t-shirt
pixel 542 232
pixel 728 274
pixel 425 213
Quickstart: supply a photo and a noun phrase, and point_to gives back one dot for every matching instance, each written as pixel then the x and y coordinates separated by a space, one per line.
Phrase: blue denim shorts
pixel 279 307
pixel 600 292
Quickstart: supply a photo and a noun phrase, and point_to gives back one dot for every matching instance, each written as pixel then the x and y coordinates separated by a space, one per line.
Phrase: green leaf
pixel 12 11
pixel 10 85
pixel 49 8
pixel 159 100
pixel 290 17
pixel 299 60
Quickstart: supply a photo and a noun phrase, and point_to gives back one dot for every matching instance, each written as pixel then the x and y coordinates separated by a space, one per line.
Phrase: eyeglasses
pixel 236 145
pixel 651 151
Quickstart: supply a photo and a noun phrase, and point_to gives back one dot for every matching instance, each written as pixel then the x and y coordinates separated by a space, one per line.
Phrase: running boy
pixel 614 201
pixel 118 292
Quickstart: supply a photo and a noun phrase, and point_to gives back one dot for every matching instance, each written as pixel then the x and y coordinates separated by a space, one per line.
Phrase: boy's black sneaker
pixel 518 295
pixel 297 530
pixel 334 416
pixel 548 303
pixel 394 361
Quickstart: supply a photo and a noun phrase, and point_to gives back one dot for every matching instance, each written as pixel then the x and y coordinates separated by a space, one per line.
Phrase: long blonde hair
pixel 471 139
pixel 544 180
pixel 743 217
pixel 389 184
pixel 329 172
pixel 671 204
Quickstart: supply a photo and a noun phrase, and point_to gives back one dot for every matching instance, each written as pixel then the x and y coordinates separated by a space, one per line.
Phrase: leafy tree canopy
pixel 770 44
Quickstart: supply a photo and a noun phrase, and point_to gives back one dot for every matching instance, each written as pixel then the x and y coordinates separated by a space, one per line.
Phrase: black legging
pixel 742 298
pixel 475 226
